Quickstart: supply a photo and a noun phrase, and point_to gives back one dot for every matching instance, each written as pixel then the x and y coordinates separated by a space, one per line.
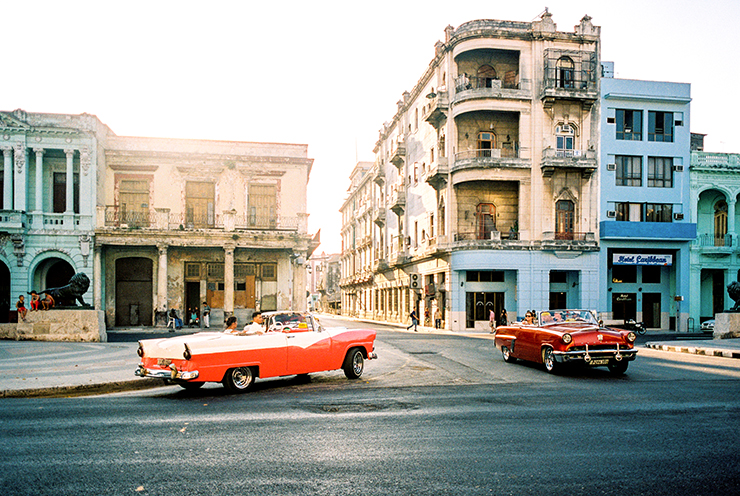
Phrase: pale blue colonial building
pixel 647 226
pixel 715 261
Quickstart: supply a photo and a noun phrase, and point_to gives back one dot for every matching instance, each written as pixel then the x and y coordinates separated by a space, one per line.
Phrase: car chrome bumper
pixel 372 356
pixel 171 373
pixel 587 356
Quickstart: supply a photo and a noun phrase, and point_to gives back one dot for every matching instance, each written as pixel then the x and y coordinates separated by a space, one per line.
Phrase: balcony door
pixel 486 75
pixel 720 223
pixel 565 72
pixel 564 219
pixel 133 200
pixel 486 213
pixel 486 143
pixel 200 204
pixel 263 205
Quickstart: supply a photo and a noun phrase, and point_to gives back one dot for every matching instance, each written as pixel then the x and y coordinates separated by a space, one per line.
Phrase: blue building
pixel 646 226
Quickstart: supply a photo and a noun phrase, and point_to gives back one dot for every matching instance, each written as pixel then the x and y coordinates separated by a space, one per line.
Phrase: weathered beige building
pixel 184 222
pixel 484 191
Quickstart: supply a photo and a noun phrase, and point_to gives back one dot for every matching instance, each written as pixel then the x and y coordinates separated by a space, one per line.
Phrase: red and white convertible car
pixel 295 344
pixel 561 337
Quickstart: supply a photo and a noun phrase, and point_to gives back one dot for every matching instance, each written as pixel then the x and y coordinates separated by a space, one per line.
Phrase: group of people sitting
pixel 42 301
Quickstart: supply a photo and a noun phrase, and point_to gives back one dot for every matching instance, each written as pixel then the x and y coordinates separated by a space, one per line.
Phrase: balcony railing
pixel 707 240
pixel 12 219
pixel 163 219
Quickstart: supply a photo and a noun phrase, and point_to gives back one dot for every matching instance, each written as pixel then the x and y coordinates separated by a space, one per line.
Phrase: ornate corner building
pixel 158 224
pixel 484 191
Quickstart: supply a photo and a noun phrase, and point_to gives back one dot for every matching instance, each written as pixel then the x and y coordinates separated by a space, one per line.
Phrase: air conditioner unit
pixel 678 168
pixel 415 280
pixel 611 167
pixel 611 214
pixel 678 216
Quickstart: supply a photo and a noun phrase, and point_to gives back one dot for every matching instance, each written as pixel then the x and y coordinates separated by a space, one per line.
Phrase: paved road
pixel 434 415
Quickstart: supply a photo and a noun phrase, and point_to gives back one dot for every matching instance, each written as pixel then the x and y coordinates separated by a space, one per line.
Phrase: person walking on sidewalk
pixel 206 315
pixel 437 319
pixel 414 320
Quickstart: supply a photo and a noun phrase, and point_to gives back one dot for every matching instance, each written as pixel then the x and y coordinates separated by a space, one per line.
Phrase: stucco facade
pixel 485 184
pixel 48 194
pixel 647 223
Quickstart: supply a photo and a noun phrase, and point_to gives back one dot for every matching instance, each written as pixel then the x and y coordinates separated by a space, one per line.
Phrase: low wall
pixel 58 325
pixel 726 325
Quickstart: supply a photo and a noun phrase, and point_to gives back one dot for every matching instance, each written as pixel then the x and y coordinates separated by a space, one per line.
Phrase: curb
pixel 694 350
pixel 84 390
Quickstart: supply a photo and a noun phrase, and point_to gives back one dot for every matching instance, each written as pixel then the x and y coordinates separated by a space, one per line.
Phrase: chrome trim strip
pixel 165 374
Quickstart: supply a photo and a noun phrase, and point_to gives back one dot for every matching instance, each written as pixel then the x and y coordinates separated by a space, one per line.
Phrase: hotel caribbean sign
pixel 638 259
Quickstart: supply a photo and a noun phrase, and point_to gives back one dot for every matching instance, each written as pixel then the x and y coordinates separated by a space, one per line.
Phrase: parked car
pixel 295 344
pixel 561 337
pixel 707 325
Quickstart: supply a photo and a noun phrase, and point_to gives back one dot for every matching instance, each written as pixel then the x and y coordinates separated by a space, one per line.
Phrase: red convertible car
pixel 295 344
pixel 560 337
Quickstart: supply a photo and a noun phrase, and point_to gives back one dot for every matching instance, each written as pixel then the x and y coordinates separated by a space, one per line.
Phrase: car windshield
pixel 287 320
pixel 550 317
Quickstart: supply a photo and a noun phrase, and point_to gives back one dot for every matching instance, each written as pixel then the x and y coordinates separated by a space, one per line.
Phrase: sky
pixel 322 73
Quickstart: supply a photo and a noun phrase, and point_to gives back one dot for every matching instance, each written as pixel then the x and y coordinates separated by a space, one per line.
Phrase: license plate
pixel 163 362
pixel 599 361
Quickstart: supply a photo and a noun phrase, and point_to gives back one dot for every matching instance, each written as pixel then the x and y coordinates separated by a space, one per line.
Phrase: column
pixel 162 280
pixel 7 179
pixel 97 277
pixel 69 207
pixel 19 182
pixel 228 281
pixel 731 207
pixel 39 179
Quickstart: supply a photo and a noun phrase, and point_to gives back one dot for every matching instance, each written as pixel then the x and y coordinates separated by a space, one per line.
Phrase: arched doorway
pixel 4 293
pixel 134 292
pixel 54 273
pixel 565 72
pixel 720 223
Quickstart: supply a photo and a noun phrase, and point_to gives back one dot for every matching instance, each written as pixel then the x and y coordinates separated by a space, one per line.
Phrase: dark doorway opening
pixel 651 309
pixel 192 302
pixel 4 293
pixel 134 292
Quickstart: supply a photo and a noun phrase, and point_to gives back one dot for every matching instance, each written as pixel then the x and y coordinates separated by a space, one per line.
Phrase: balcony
pixel 435 112
pixel 473 88
pixel 161 219
pixel 378 174
pixel 379 217
pixel 715 246
pixel 398 154
pixel 553 160
pixel 570 75
pixel 397 200
pixel 439 173
pixel 12 220
pixel 569 241
pixel 380 265
pixel 490 159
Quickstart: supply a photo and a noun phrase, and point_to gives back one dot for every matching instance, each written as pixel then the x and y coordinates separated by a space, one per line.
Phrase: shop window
pixel 269 272
pixel 558 277
pixel 660 172
pixel 624 274
pixel 651 274
pixel 660 126
pixel 629 124
pixel 484 276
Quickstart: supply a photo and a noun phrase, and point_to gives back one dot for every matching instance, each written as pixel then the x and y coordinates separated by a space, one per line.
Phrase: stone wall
pixel 727 325
pixel 58 325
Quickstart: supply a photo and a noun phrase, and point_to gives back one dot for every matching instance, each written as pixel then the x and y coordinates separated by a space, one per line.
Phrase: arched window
pixel 486 215
pixel 486 143
pixel 486 75
pixel 565 72
pixel 566 139
pixel 720 223
pixel 564 219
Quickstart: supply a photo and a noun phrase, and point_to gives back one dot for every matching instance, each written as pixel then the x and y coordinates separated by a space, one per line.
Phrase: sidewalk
pixel 58 369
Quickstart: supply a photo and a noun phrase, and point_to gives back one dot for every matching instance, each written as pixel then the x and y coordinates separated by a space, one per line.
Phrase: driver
pixel 256 326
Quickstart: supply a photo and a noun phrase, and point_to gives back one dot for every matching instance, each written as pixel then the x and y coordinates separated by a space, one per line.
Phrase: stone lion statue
pixel 73 291
pixel 733 289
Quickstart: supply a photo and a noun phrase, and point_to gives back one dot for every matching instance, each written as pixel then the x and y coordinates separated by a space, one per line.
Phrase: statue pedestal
pixel 58 325
pixel 727 325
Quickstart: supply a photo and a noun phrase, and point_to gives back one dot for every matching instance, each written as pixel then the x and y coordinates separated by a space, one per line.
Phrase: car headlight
pixel 567 338
pixel 631 337
pixel 140 351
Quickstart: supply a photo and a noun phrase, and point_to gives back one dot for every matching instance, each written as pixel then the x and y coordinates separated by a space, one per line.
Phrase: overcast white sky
pixel 323 73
